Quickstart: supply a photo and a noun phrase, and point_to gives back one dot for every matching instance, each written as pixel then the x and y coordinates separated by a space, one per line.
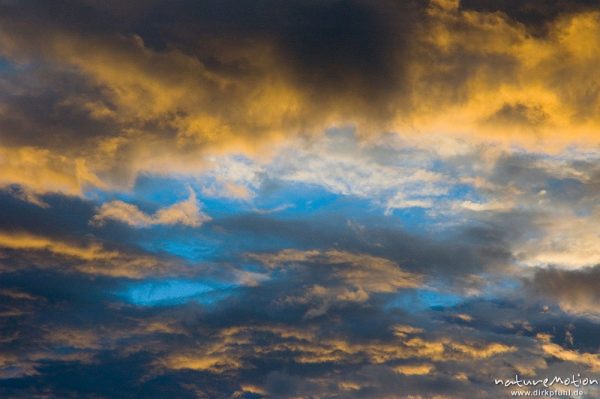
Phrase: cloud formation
pixel 139 93
pixel 301 199
pixel 186 213
pixel 574 290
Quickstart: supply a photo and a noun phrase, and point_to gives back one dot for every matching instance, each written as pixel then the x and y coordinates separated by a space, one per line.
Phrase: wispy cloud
pixel 186 213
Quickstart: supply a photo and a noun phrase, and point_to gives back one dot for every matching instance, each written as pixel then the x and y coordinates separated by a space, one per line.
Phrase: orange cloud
pixel 467 72
pixel 485 75
pixel 414 369
pixel 45 171
pixel 590 360
pixel 26 242
pixel 186 213
pixel 229 348
pixel 92 258
pixel 358 276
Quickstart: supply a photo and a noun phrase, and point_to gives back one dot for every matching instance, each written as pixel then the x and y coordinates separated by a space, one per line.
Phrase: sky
pixel 321 199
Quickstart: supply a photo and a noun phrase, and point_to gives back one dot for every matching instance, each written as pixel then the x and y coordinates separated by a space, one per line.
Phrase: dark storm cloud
pixel 59 236
pixel 332 48
pixel 526 314
pixel 468 249
pixel 574 290
pixel 574 184
pixel 234 333
pixel 535 14
pixel 112 86
pixel 329 45
pixel 46 107
pixel 70 335
pixel 255 342
pixel 61 217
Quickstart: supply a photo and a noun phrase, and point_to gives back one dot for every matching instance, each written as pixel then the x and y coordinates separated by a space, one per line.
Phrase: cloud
pixel 345 277
pixel 27 242
pixel 246 340
pixel 574 290
pixel 569 242
pixel 91 258
pixel 464 251
pixel 536 15
pixel 418 369
pixel 41 170
pixel 365 272
pixel 164 101
pixel 236 345
pixel 186 213
pixel 394 204
pixel 590 360
pixel 504 76
pixel 142 96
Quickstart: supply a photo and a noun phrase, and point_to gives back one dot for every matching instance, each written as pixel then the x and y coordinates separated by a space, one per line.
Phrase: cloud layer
pixel 151 87
pixel 300 199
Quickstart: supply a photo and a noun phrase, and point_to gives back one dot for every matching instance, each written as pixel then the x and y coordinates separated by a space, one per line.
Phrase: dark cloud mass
pixel 536 14
pixel 575 290
pixel 327 50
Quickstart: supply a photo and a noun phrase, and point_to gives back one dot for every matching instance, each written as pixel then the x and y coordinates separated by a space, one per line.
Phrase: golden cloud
pixel 414 369
pixel 460 72
pixel 90 258
pixel 186 213
pixel 357 276
pixel 45 171
pixel 229 347
pixel 590 360
pixel 26 242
